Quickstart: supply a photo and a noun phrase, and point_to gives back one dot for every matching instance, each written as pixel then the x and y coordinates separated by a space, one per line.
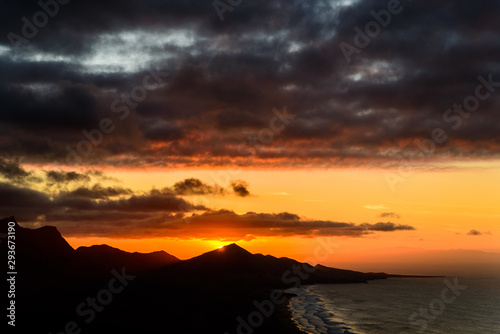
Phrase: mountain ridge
pixel 206 293
pixel 225 263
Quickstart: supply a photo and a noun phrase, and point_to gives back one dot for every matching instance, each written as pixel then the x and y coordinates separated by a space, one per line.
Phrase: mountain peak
pixel 7 220
pixel 40 243
pixel 222 256
pixel 233 249
pixel 233 246
pixel 99 249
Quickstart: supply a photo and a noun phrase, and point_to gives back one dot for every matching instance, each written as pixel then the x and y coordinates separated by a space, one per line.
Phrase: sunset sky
pixel 178 126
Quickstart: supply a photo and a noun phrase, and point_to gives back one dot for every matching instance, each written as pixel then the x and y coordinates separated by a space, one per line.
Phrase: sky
pixel 187 125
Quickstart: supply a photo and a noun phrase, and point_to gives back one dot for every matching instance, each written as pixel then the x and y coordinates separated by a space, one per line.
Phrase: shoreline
pixel 312 315
pixel 284 315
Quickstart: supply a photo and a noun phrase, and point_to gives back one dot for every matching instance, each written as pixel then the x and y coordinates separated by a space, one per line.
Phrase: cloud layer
pixel 79 205
pixel 225 78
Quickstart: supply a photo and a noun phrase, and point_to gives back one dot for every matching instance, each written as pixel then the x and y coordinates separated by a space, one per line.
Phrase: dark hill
pixel 204 294
pixel 105 258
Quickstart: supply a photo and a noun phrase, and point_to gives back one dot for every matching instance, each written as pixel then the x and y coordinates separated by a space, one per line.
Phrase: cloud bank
pixel 226 77
pixel 81 205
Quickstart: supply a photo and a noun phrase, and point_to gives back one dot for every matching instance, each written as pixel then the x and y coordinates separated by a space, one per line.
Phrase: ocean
pixel 400 306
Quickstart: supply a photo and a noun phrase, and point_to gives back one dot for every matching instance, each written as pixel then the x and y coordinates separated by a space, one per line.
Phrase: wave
pixel 312 316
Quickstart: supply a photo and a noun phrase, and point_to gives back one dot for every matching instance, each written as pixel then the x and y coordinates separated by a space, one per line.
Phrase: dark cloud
pixel 155 200
pixel 54 177
pixel 226 78
pixel 281 224
pixel 32 205
pixel 118 212
pixel 72 107
pixel 65 179
pixel 26 204
pixel 240 188
pixel 157 130
pixel 389 215
pixel 387 227
pixel 12 171
pixel 97 191
pixel 219 224
pixel 476 232
pixel 194 186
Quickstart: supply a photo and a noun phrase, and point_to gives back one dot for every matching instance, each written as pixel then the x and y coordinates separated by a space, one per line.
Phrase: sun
pixel 216 244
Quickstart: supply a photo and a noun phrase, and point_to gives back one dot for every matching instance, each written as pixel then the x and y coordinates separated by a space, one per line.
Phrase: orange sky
pixel 443 206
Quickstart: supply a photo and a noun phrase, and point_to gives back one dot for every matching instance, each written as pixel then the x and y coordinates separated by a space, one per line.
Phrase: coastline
pixel 284 315
pixel 310 315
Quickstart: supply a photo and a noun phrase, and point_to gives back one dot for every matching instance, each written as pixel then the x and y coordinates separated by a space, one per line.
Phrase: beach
pixel 284 315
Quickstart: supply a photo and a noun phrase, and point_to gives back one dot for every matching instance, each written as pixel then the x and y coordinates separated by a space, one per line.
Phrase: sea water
pixel 400 306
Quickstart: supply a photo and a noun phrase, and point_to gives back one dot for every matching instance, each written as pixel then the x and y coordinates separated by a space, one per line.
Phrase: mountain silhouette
pixel 233 265
pixel 44 253
pixel 227 266
pixel 105 258
pixel 206 293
